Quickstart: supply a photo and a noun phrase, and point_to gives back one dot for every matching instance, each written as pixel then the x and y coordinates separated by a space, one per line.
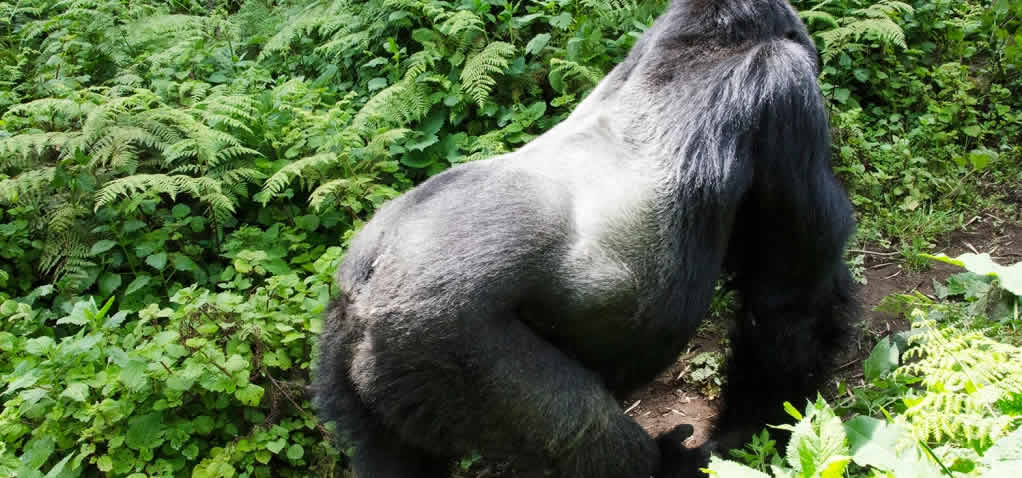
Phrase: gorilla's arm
pixel 786 256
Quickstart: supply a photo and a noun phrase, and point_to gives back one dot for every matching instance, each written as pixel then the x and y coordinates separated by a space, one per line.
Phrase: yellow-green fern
pixel 964 374
pixel 477 78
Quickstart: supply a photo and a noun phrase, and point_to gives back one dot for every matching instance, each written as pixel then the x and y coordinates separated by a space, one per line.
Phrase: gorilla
pixel 507 305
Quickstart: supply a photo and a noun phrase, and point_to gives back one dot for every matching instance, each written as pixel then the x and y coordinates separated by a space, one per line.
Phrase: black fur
pixel 507 305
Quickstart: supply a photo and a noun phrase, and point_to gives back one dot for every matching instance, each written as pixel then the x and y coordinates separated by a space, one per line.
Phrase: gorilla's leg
pixel 381 454
pixel 797 302
pixel 489 383
pixel 378 452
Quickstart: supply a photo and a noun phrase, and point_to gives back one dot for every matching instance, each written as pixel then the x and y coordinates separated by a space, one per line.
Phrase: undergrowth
pixel 178 179
pixel 942 399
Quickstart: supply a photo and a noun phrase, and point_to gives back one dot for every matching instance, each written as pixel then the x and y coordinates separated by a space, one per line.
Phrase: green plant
pixel 212 385
pixel 704 371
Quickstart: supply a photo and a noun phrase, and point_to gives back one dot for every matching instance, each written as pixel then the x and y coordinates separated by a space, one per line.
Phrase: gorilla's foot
pixel 679 461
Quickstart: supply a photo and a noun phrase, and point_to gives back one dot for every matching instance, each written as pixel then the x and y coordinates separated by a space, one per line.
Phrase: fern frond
pixel 33 181
pixel 434 9
pixel 401 103
pixel 570 69
pixel 486 146
pixel 64 255
pixel 299 27
pixel 964 375
pixel 477 78
pixel 48 107
pixel 420 62
pixel 62 218
pixel 346 45
pixel 353 186
pixel 380 142
pixel 812 17
pixel 20 151
pixel 233 153
pixel 283 177
pixel 159 27
pixel 461 25
pixel 609 5
pixel 875 22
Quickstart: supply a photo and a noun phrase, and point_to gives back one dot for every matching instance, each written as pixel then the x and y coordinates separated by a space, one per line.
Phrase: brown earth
pixel 669 401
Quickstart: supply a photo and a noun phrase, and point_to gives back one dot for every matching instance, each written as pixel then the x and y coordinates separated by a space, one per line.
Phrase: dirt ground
pixel 668 401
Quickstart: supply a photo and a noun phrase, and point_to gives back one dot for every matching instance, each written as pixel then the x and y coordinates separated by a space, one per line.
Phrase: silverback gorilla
pixel 506 305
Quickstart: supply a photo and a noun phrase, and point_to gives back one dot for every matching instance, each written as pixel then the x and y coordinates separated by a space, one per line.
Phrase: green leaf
pixel 309 222
pixel 562 21
pixel 834 467
pixel 295 452
pixel 1010 277
pixel 78 392
pixel 236 363
pixel 139 282
pixel 108 283
pixel 729 469
pixel 37 451
pixel 423 143
pixel 250 395
pixel 157 261
pixel 377 84
pixel 60 470
pixel 276 445
pixel 537 43
pixel 184 263
pixel 133 375
pixel 981 158
pixel 133 225
pixel 105 463
pixel 101 247
pixel 179 382
pixel 145 431
pixel 181 211
pixel 792 411
pixel 972 130
pixel 878 444
pixel 39 345
pixel 26 380
pixel 882 360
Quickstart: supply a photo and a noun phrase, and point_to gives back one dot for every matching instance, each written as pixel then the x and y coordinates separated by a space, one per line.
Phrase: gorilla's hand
pixel 677 460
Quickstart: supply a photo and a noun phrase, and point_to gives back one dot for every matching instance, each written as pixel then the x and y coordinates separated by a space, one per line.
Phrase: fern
pixel 965 374
pixel 570 69
pixel 609 5
pixel 206 190
pixel 477 78
pixel 355 186
pixel 433 9
pixel 302 25
pixel 462 24
pixel 814 17
pixel 34 181
pixel 876 22
pixel 303 168
pixel 24 150
pixel 401 103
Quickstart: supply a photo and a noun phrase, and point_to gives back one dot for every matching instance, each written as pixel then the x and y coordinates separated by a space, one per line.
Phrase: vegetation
pixel 179 179
pixel 949 405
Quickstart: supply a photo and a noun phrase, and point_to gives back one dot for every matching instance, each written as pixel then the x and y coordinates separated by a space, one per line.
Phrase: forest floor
pixel 670 401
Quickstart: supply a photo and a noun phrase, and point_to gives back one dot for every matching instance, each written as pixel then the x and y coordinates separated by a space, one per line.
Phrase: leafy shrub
pixel 212 385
